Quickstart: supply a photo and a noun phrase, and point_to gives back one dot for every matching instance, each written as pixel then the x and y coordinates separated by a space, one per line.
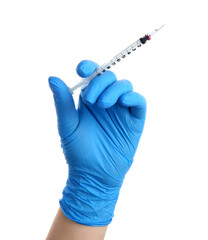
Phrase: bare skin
pixel 66 229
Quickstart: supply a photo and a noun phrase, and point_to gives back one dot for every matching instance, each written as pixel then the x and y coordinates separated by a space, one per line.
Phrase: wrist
pixel 65 229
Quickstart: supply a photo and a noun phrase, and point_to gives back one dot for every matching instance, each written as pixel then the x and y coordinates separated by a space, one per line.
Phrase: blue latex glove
pixel 99 141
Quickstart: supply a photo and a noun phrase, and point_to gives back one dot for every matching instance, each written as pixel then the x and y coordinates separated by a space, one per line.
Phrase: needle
pixel 160 27
pixel 156 30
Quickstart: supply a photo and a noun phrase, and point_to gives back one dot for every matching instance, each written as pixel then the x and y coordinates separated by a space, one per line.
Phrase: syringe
pixel 85 81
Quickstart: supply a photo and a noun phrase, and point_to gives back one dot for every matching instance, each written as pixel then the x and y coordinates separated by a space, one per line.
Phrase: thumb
pixel 67 115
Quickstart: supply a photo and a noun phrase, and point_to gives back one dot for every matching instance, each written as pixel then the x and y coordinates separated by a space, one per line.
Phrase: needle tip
pixel 160 27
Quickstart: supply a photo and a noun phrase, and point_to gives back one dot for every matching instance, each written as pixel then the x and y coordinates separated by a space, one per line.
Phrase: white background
pixel 164 195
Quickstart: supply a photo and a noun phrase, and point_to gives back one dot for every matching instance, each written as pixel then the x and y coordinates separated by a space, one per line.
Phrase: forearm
pixel 66 229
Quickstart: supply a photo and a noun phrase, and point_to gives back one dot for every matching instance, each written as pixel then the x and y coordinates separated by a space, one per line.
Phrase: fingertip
pixel 122 100
pixel 55 81
pixel 89 100
pixel 111 94
pixel 133 99
pixel 141 99
pixel 86 68
pixel 97 85
pixel 52 80
pixel 58 86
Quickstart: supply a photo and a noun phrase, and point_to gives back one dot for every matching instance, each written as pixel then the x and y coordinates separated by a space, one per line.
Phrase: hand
pixel 99 141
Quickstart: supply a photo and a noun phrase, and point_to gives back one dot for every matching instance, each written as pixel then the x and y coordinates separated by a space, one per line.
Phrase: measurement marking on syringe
pixel 116 59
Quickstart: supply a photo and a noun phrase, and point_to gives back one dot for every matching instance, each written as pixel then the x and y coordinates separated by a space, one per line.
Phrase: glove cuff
pixel 89 203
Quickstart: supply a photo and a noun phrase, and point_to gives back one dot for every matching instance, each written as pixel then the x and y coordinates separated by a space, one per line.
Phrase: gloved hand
pixel 99 141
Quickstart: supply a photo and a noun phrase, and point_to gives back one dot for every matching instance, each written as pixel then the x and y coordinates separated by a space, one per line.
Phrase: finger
pixel 136 102
pixel 111 94
pixel 86 68
pixel 67 114
pixel 97 86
